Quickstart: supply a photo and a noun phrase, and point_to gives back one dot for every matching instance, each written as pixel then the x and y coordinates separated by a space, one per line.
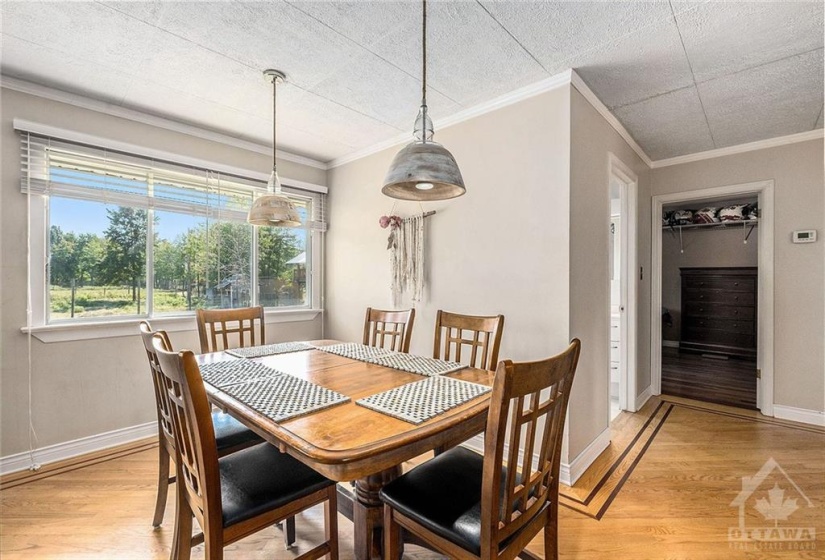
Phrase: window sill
pixel 66 332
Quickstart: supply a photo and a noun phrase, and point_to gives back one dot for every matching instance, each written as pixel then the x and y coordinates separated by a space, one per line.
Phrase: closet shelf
pixel 714 225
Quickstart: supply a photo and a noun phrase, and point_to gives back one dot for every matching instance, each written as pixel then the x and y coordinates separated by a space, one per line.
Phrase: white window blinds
pixel 53 166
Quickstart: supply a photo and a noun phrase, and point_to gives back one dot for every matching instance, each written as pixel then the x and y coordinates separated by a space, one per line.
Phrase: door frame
pixel 629 195
pixel 765 312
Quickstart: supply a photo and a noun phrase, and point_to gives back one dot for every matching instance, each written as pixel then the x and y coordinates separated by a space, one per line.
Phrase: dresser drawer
pixel 731 284
pixel 719 337
pixel 718 311
pixel 739 326
pixel 719 296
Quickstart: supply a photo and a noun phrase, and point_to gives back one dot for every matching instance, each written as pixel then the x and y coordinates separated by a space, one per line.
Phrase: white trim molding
pixel 23 86
pixel 765 296
pixel 74 448
pixel 741 148
pixel 89 330
pixel 569 473
pixel 803 415
pixel 611 119
pixel 642 399
pixel 511 98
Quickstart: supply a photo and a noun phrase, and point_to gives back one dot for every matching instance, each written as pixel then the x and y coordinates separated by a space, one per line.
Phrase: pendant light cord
pixel 424 72
pixel 274 126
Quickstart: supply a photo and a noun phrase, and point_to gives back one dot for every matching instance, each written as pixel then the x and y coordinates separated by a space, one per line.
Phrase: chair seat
pixel 443 495
pixel 261 478
pixel 230 433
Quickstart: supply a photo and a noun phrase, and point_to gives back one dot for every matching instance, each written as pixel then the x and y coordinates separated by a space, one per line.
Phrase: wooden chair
pixel 484 344
pixel 240 494
pixel 394 327
pixel 470 506
pixel 230 435
pixel 218 324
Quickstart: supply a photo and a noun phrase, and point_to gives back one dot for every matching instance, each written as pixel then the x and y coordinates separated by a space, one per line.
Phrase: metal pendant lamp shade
pixel 424 170
pixel 274 208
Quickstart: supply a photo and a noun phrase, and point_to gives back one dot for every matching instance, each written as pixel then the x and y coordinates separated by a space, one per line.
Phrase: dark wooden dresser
pixel 719 311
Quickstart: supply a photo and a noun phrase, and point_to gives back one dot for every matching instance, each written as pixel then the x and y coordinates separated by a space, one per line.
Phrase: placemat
pixel 360 352
pixel 417 364
pixel 419 401
pixel 389 358
pixel 232 372
pixel 285 396
pixel 269 349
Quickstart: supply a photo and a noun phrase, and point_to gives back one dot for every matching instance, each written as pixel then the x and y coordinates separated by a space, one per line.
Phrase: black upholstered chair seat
pixel 229 433
pixel 261 478
pixel 444 495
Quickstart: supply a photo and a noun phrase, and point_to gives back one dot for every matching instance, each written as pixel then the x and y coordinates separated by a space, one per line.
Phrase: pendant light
pixel 274 208
pixel 423 170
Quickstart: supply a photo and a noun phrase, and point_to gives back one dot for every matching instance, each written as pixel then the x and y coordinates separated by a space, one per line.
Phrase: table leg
pixel 368 513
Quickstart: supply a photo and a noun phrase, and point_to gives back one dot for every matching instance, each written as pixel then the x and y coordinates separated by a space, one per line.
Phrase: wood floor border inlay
pixel 608 487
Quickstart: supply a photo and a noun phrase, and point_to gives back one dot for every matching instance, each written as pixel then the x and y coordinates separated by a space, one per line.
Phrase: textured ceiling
pixel 682 77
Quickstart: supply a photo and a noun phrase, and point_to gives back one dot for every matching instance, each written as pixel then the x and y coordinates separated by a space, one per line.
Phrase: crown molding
pixel 515 96
pixel 742 148
pixel 602 109
pixel 31 88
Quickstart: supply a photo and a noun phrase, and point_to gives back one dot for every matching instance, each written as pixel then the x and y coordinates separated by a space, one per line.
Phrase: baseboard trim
pixel 670 343
pixel 67 450
pixel 569 473
pixel 642 399
pixel 803 415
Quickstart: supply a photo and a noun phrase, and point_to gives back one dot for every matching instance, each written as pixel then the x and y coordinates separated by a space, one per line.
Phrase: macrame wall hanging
pixel 406 247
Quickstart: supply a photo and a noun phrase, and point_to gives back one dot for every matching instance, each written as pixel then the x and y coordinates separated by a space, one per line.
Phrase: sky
pixel 82 216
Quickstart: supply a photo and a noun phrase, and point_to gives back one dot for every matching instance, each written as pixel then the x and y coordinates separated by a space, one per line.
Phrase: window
pixel 130 236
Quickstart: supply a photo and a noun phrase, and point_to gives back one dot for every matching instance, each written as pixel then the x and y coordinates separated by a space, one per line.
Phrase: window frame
pixel 81 328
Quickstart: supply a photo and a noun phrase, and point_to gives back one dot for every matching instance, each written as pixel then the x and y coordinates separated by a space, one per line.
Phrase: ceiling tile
pixel 725 37
pixel 771 100
pixel 29 61
pixel 493 66
pixel 625 51
pixel 83 30
pixel 668 125
pixel 261 35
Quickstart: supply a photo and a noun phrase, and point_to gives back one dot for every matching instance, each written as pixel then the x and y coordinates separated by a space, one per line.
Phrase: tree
pixel 125 258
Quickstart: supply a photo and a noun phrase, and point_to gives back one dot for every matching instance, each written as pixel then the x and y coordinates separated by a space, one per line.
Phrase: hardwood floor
pixel 664 489
pixel 731 382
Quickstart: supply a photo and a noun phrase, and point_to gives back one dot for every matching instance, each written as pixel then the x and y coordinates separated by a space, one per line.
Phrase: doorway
pixel 623 193
pixel 762 284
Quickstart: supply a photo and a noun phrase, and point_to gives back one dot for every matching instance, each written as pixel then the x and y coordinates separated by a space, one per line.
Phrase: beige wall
pixel 703 248
pixel 592 139
pixel 86 388
pixel 799 270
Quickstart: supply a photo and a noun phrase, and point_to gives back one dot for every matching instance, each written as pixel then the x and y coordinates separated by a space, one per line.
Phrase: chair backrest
pixel 165 431
pixel 510 502
pixel 394 327
pixel 218 324
pixel 197 454
pixel 484 344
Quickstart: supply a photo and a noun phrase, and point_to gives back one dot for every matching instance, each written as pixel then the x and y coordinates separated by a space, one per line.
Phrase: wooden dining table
pixel 348 442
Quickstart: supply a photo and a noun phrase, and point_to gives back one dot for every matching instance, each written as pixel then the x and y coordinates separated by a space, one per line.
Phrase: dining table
pixel 348 442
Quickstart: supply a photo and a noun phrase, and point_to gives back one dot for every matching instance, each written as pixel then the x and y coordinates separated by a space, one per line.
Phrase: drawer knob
pixel 736 283
pixel 701 297
pixel 736 298
pixel 736 312
pixel 702 323
pixel 701 309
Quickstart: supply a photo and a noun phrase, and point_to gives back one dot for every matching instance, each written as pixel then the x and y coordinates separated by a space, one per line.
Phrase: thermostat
pixel 806 236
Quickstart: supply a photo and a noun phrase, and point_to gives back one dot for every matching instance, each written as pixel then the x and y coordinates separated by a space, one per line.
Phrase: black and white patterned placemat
pixel 233 372
pixel 419 401
pixel 269 349
pixel 389 358
pixel 360 352
pixel 285 396
pixel 417 364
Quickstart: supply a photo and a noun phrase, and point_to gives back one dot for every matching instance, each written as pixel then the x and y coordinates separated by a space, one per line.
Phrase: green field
pixel 104 301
